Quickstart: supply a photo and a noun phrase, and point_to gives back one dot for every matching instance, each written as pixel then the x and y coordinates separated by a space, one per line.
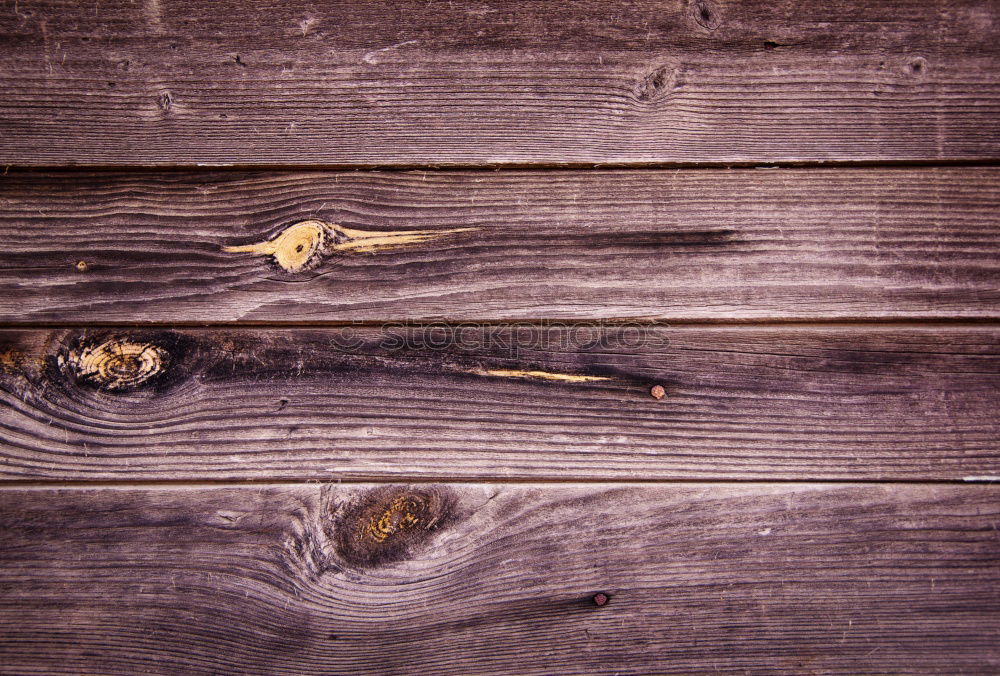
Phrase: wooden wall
pixel 499 337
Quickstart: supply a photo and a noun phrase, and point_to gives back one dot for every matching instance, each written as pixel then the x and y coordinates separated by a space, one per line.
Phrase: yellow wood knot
pixel 11 360
pixel 399 516
pixel 386 524
pixel 293 248
pixel 302 244
pixel 118 364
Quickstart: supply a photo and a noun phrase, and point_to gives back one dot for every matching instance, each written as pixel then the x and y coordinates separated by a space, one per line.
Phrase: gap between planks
pixel 739 323
pixel 380 479
pixel 957 162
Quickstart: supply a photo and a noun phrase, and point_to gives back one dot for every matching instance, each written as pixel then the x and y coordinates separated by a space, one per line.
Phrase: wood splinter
pixel 302 244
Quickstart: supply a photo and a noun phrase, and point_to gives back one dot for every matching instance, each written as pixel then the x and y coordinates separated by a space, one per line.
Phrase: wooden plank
pixel 481 579
pixel 716 244
pixel 827 402
pixel 406 83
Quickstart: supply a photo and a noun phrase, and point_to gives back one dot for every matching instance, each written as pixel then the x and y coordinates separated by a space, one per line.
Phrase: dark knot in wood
pixel 657 85
pixel 705 14
pixel 387 524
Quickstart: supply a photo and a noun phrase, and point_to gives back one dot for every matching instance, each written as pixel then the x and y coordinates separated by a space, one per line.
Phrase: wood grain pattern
pixel 835 402
pixel 803 579
pixel 466 82
pixel 716 244
pixel 194 291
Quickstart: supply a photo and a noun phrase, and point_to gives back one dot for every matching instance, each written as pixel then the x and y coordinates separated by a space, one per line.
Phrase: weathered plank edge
pixel 475 578
pixel 833 403
pixel 718 245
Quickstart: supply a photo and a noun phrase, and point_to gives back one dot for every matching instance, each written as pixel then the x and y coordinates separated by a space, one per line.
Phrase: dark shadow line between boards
pixel 22 484
pixel 665 323
pixel 555 166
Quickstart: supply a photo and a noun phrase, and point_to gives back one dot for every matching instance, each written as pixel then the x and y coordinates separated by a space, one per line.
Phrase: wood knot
pixel 116 364
pixel 705 14
pixel 12 361
pixel 164 101
pixel 295 248
pixel 387 524
pixel 917 66
pixel 303 244
pixel 657 85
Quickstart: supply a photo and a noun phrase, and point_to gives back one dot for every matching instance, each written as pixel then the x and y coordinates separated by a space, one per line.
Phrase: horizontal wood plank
pixel 293 247
pixel 464 82
pixel 528 402
pixel 461 579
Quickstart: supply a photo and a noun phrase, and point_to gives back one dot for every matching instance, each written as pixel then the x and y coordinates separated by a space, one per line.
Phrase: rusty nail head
pixel 601 599
pixel 657 391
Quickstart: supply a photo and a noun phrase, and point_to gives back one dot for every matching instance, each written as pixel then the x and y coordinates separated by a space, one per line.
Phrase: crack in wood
pixel 539 375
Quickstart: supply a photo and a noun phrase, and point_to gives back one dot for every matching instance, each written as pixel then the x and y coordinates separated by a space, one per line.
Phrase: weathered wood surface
pixel 717 244
pixel 461 579
pixel 465 82
pixel 834 402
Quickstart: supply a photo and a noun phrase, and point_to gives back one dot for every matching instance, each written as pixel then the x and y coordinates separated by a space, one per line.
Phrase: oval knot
pixel 119 364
